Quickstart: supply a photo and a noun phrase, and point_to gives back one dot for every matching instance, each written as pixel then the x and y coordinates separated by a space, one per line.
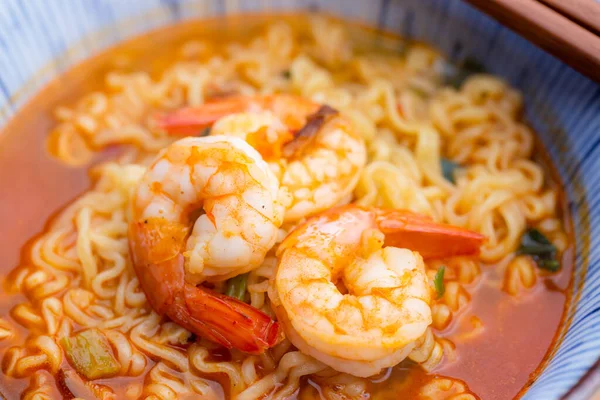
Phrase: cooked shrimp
pixel 313 150
pixel 239 196
pixel 348 301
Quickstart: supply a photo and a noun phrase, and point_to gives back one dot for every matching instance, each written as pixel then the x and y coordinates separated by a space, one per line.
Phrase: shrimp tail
pixel 304 136
pixel 292 110
pixel 225 320
pixel 216 317
pixel 189 120
pixel 431 239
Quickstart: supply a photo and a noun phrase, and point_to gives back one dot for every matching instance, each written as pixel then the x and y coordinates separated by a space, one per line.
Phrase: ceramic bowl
pixel 41 39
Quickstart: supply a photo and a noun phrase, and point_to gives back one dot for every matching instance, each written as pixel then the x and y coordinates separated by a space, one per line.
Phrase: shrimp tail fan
pixel 189 120
pixel 225 320
pixel 431 239
pixel 159 265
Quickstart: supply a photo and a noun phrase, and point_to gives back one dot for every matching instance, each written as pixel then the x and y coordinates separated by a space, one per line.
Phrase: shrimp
pixel 312 149
pixel 351 303
pixel 227 180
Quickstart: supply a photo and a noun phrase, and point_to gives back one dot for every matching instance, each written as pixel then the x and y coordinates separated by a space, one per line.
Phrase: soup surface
pixel 446 141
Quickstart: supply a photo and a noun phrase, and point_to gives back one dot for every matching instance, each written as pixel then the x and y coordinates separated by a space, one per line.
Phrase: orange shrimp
pixel 291 110
pixel 385 307
pixel 314 151
pixel 173 251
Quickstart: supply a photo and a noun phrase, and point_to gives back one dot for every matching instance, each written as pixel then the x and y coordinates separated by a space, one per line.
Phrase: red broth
pixel 496 364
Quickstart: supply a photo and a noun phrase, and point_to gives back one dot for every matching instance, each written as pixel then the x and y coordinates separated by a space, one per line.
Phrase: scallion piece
pixel 418 91
pixel 438 281
pixel 457 74
pixel 236 287
pixel 89 352
pixel 549 265
pixel 448 169
pixel 540 249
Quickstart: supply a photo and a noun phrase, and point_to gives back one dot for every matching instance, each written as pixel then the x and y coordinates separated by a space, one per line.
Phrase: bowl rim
pixel 588 384
pixel 44 75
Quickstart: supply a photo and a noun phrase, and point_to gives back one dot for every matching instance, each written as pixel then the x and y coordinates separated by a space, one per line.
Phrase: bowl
pixel 40 40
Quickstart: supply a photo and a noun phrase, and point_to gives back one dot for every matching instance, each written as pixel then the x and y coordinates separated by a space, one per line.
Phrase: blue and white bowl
pixel 41 39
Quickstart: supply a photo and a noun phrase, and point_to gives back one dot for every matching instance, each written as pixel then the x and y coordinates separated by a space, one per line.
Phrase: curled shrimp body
pixel 312 149
pixel 348 301
pixel 228 181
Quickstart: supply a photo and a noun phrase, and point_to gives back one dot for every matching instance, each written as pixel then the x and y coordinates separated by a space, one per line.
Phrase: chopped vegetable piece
pixel 204 132
pixel 448 169
pixel 550 265
pixel 236 287
pixel 418 91
pixel 438 282
pixel 540 249
pixel 457 74
pixel 90 354
pixel 533 242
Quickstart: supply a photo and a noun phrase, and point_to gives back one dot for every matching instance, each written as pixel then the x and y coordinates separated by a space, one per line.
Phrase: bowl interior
pixel 561 105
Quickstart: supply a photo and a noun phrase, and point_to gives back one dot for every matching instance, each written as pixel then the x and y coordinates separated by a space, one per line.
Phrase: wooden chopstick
pixel 550 30
pixel 585 12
